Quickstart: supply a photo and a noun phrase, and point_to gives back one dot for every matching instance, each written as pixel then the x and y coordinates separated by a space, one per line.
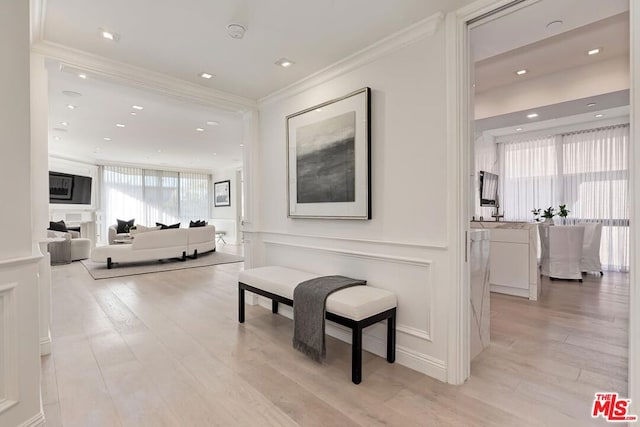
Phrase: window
pixel 152 196
pixel 587 170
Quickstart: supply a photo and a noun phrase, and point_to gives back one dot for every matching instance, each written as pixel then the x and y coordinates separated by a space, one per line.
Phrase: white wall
pixel 19 310
pixel 225 218
pixel 403 248
pixel 576 83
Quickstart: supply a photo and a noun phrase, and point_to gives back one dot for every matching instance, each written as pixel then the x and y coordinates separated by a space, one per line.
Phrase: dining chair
pixel 561 249
pixel 590 261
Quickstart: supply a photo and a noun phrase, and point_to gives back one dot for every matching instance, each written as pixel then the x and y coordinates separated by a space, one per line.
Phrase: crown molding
pixel 38 13
pixel 131 75
pixel 390 44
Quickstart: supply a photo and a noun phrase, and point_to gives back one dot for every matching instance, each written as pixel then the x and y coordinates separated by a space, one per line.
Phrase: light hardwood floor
pixel 166 349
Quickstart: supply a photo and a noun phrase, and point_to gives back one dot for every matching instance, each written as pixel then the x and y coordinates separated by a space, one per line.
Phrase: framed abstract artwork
pixel 222 193
pixel 329 159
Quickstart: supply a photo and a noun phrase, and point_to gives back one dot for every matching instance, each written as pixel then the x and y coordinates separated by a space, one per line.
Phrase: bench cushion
pixel 356 302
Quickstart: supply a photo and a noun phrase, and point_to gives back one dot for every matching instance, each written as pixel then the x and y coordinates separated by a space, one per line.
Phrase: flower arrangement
pixel 563 211
pixel 536 214
pixel 549 213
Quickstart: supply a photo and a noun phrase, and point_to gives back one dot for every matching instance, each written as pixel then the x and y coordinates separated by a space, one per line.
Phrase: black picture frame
pixel 222 193
pixel 329 159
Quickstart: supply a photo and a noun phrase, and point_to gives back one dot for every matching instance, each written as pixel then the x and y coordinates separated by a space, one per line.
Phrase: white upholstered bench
pixel 355 307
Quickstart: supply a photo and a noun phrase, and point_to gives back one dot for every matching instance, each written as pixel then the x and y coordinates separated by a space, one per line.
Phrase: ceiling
pixel 162 134
pixel 183 39
pixel 521 40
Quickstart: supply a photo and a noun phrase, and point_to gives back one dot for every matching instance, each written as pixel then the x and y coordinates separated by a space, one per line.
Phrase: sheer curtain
pixel 122 194
pixel 596 187
pixel 151 196
pixel 195 196
pixel 588 171
pixel 530 177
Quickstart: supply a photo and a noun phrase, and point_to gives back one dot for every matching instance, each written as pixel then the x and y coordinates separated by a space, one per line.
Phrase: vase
pixel 548 221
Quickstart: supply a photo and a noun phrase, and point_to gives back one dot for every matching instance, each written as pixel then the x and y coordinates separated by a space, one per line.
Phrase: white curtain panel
pixel 195 196
pixel 152 196
pixel 529 171
pixel 588 171
pixel 122 195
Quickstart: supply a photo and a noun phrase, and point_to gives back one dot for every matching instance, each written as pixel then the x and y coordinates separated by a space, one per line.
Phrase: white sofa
pixel 159 244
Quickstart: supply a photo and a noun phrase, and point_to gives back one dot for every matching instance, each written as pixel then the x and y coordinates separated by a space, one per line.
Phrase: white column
pixel 19 311
pixel 40 189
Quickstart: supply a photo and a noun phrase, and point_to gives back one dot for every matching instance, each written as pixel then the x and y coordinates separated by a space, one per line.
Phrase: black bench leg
pixel 109 263
pixel 356 355
pixel 274 306
pixel 240 305
pixel 391 338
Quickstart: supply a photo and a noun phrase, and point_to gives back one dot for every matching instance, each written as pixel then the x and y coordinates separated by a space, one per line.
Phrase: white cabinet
pixel 513 261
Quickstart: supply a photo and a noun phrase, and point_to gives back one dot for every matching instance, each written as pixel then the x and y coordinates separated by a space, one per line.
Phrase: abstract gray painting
pixel 325 160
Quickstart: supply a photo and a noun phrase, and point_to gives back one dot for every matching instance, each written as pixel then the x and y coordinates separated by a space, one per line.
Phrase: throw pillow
pixel 166 227
pixel 58 226
pixel 124 226
pixel 199 223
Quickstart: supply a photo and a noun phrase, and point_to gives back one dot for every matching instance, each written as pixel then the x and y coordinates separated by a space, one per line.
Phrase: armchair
pixel 73 248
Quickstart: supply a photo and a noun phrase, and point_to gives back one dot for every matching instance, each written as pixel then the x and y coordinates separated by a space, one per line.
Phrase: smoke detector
pixel 236 31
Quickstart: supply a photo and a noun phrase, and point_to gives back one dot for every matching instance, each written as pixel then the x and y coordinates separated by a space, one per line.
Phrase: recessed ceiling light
pixel 599 115
pixel 206 75
pixel 532 115
pixel 594 51
pixel 71 107
pixel 108 35
pixel 284 62
pixel 106 138
pixel 120 125
pixel 159 151
pixel 64 123
pixel 213 123
pixel 591 104
pixel 241 145
pixel 518 129
pixel 318 109
pixel 200 129
pixel 215 154
pixel 521 72
pixel 57 138
pixel 97 149
pixel 60 129
pixel 137 107
pixel 82 76
pixel 133 113
pixel 71 93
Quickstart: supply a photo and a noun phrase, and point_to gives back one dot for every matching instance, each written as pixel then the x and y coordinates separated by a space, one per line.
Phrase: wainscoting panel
pixel 410 270
pixel 8 347
pixel 409 278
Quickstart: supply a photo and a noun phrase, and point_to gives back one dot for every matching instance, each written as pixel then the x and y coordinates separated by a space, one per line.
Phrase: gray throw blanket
pixel 309 307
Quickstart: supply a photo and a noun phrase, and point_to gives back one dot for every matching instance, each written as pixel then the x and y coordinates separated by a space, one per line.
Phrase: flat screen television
pixel 488 189
pixel 69 189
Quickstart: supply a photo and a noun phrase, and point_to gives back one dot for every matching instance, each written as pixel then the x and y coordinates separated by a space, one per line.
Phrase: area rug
pixel 99 270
